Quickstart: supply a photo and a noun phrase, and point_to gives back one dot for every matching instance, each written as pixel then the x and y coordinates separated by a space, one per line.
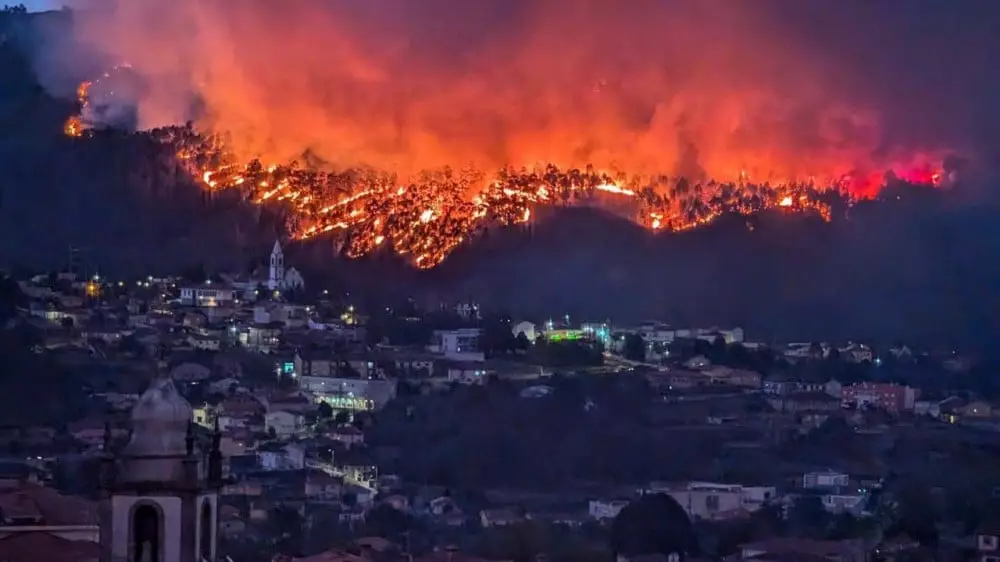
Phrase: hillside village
pixel 352 432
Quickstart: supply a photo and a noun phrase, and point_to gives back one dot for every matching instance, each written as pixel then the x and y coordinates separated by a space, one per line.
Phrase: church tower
pixel 276 277
pixel 160 497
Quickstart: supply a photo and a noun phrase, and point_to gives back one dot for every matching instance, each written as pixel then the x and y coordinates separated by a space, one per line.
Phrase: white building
pixel 349 394
pixel 208 295
pixel 526 328
pixel 283 424
pixel 461 344
pixel 707 500
pixel 605 509
pixel 825 479
pixel 279 279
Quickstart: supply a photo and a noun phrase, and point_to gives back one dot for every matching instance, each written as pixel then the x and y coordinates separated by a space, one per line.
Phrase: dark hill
pixel 923 266
pixel 920 267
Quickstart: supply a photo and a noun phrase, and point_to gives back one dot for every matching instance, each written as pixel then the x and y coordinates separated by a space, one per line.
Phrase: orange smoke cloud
pixel 681 87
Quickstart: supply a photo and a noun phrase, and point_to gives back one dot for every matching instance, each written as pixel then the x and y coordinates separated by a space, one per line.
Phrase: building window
pixel 205 541
pixel 146 534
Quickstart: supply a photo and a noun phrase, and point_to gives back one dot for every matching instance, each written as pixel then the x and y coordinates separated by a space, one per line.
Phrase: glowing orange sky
pixel 660 86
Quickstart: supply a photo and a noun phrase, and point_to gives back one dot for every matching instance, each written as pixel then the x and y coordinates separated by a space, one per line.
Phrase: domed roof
pixel 653 524
pixel 160 421
pixel 162 402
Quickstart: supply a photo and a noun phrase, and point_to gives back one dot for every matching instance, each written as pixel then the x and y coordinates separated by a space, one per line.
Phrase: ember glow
pixel 673 113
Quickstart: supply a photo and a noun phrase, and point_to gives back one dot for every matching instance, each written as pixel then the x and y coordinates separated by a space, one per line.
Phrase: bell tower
pixel 160 495
pixel 276 273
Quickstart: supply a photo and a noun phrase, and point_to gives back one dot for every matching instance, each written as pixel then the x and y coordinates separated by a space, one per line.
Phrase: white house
pixel 208 295
pixel 605 509
pixel 461 344
pixel 852 501
pixel 707 500
pixel 526 328
pixel 284 424
pixel 825 479
pixel 277 457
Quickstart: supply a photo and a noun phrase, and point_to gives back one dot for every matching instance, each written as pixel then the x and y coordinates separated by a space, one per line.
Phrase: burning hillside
pixel 672 114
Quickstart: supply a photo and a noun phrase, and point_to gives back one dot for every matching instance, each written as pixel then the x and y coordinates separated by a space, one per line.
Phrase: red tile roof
pixel 46 547
pixel 31 500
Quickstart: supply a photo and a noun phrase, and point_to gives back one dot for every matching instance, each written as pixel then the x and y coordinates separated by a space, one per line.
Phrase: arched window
pixel 206 536
pixel 145 534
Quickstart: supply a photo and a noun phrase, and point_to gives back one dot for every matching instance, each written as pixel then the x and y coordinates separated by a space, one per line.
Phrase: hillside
pixel 923 266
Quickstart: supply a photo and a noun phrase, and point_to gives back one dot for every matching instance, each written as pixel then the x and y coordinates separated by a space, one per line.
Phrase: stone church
pixel 160 493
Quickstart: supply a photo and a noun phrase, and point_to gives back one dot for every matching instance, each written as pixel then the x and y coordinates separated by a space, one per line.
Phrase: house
pixel 275 456
pixel 208 295
pixel 295 402
pixel 262 338
pixel 988 543
pixel 442 506
pixel 413 364
pixel 825 479
pixel 350 393
pixel 846 500
pixel 37 546
pixel 461 344
pixel 805 402
pixel 603 510
pixel 317 365
pixel 467 372
pixel 499 517
pixel 779 386
pixel 893 398
pixel 856 353
pixel 677 379
pixel 346 434
pixel 30 508
pixel 705 500
pixel 320 485
pixel 240 406
pixel 283 424
pixel 741 378
pixel 527 328
pixel 204 342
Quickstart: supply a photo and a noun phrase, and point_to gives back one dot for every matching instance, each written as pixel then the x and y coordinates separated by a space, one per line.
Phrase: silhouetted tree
pixel 386 521
pixel 808 514
pixel 635 348
pixel 11 298
pixel 522 343
pixel 324 410
pixel 653 524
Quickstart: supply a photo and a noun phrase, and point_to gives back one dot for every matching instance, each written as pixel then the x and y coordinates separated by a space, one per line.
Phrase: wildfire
pixel 425 218
pixel 77 124
pixel 73 127
pixel 388 102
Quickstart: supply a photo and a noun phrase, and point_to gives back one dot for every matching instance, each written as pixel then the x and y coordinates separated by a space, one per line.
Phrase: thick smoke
pixel 688 87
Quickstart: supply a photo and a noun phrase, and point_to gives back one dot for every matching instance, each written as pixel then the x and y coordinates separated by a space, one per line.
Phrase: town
pixel 336 430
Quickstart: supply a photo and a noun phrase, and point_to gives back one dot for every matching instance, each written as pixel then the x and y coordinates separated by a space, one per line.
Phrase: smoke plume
pixel 721 89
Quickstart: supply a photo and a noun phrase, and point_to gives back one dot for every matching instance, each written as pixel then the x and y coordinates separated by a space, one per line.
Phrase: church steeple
pixel 156 505
pixel 276 272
